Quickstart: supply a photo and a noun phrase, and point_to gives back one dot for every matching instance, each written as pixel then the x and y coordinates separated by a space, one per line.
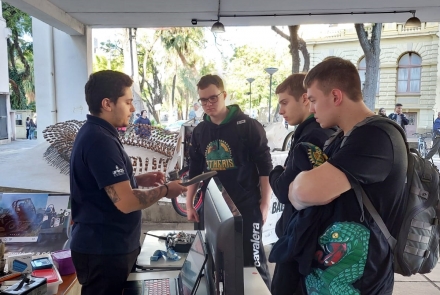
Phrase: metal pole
pixel 131 53
pixel 250 80
pixel 250 99
pixel 270 71
pixel 270 94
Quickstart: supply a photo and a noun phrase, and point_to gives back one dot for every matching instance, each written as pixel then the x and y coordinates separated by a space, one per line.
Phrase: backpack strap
pixel 361 196
pixel 332 138
pixel 377 118
pixel 359 191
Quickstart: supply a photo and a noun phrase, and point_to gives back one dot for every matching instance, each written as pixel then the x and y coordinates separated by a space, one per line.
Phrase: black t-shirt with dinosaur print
pixel 353 257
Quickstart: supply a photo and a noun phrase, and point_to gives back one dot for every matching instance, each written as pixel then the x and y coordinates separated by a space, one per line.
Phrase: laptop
pixel 186 282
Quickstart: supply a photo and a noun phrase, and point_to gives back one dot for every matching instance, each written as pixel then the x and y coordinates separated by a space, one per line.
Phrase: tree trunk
pixel 302 46
pixel 186 64
pixel 172 91
pixel 11 54
pixel 294 48
pixel 295 44
pixel 187 105
pixel 16 44
pixel 371 48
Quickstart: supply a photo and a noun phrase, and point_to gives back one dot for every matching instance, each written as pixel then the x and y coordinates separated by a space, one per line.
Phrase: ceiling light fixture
pixel 218 27
pixel 413 22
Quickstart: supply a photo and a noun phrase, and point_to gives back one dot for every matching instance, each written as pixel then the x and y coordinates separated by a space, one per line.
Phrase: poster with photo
pixel 34 222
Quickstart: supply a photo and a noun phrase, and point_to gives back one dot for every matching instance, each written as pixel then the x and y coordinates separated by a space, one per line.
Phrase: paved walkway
pixel 14 149
pixel 13 153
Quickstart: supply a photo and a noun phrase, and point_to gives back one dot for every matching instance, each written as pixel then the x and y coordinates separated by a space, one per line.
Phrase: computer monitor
pixel 224 238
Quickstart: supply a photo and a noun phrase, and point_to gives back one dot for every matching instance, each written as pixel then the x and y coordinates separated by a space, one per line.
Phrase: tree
pixel 171 65
pixel 296 44
pixel 184 42
pixel 250 62
pixel 113 59
pixel 371 48
pixel 20 55
pixel 150 81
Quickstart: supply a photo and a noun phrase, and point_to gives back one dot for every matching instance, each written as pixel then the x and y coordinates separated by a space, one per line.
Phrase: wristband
pixel 166 186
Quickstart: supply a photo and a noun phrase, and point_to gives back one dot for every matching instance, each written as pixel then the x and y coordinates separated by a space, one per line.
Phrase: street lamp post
pixel 270 71
pixel 250 80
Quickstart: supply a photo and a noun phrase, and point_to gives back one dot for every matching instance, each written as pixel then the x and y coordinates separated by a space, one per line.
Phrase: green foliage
pixel 17 20
pixel 185 42
pixel 20 55
pixel 18 98
pixel 207 68
pixel 102 63
pixel 113 58
pixel 32 106
pixel 250 62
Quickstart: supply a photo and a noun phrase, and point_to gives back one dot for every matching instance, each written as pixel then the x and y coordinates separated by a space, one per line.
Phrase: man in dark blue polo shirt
pixel 106 202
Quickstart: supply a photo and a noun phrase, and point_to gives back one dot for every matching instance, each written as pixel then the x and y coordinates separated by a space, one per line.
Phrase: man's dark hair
pixel 105 84
pixel 207 80
pixel 337 73
pixel 142 112
pixel 398 105
pixel 294 85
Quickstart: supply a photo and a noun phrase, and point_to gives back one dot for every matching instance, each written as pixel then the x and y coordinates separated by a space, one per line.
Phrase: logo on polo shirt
pixel 118 171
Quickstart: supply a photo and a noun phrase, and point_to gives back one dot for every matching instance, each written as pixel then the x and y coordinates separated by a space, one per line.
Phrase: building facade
pixel 409 67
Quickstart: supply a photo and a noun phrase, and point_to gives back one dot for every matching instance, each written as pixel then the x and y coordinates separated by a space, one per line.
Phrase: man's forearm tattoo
pixel 148 197
pixel 111 192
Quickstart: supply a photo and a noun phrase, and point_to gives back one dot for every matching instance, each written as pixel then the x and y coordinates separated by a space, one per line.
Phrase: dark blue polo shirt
pixel 98 160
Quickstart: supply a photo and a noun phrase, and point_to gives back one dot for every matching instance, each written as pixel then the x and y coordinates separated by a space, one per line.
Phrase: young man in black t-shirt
pixel 294 107
pixel 105 198
pixel 349 255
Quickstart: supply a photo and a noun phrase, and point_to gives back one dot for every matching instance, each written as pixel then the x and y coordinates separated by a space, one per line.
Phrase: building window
pixel 409 73
pixel 18 119
pixel 362 69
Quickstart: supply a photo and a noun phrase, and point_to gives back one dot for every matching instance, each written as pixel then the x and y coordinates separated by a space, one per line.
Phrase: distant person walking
pixel 32 128
pixel 436 135
pixel 399 117
pixel 143 125
pixel 196 113
pixel 192 112
pixel 27 127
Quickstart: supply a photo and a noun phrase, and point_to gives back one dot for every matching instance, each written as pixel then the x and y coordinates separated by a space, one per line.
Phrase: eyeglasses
pixel 211 99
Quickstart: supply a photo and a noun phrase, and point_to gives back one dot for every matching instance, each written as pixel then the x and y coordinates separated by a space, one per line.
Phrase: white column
pixel 436 107
pixel 62 65
pixel 44 75
pixel 4 76
pixel 131 67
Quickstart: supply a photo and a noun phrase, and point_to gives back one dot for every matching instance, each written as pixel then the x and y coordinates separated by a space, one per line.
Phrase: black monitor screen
pixel 193 265
pixel 224 237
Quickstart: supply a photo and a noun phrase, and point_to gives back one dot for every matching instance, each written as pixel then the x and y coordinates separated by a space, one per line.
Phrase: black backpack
pixel 416 249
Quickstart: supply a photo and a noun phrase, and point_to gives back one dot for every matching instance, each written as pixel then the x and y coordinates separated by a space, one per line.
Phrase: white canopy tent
pixel 73 16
